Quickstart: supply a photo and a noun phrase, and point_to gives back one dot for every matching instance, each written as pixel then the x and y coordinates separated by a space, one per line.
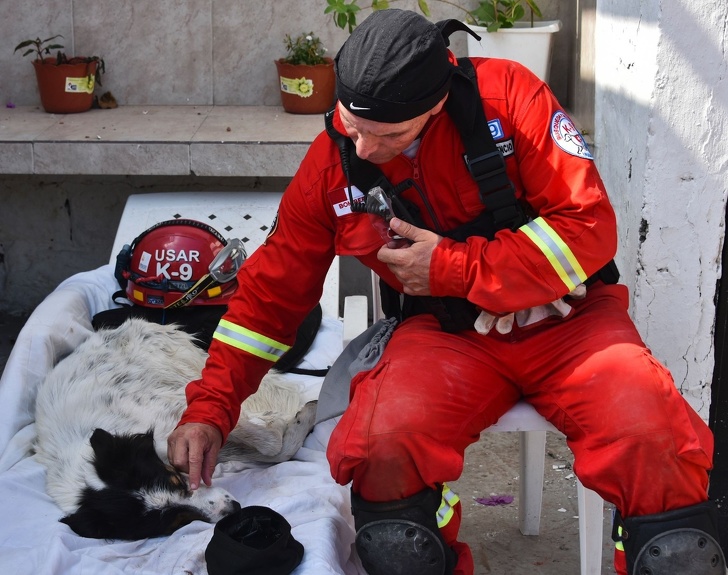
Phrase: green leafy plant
pixel 344 13
pixel 43 49
pixel 304 49
pixel 496 14
pixel 491 14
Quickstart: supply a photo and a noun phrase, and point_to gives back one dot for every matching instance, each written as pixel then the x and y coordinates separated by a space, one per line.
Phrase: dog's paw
pixel 307 415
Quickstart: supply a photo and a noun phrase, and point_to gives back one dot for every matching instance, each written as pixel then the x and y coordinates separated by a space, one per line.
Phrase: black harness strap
pixel 482 157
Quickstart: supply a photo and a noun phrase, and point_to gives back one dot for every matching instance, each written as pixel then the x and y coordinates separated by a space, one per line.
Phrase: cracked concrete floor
pixel 492 468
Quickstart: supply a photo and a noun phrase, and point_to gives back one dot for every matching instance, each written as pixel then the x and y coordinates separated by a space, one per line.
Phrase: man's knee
pixel 402 537
pixel 681 541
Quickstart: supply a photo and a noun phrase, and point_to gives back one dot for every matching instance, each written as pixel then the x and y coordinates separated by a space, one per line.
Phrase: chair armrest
pixel 355 317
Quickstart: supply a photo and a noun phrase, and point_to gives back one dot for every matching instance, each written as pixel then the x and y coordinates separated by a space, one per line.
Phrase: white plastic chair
pixel 532 428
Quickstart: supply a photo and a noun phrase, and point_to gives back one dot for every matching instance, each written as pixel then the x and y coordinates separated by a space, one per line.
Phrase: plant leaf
pixel 532 5
pixel 424 7
pixel 517 14
pixel 23 45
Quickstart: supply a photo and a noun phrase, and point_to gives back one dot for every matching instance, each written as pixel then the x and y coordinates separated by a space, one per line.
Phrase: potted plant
pixel 66 85
pixel 306 76
pixel 504 34
pixel 498 23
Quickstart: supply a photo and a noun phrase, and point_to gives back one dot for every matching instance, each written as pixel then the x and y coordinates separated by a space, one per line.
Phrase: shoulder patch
pixel 567 137
pixel 273 228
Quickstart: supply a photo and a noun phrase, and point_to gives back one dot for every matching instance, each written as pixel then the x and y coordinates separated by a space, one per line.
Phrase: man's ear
pixel 439 105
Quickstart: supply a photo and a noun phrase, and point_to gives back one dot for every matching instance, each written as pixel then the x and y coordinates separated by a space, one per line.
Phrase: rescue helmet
pixel 177 263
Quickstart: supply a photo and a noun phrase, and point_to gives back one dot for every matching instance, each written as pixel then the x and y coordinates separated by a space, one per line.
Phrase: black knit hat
pixel 253 541
pixel 393 67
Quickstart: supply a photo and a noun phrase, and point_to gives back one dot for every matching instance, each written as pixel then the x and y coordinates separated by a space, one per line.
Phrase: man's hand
pixel 193 448
pixel 411 264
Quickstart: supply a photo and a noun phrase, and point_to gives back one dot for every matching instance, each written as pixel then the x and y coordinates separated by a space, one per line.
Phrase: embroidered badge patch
pixel 567 137
pixel 273 228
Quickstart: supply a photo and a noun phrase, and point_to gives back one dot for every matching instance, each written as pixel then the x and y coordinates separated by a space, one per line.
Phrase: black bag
pixel 253 541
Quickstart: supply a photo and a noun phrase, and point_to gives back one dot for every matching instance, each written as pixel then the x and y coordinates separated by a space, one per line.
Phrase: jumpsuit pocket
pixel 356 236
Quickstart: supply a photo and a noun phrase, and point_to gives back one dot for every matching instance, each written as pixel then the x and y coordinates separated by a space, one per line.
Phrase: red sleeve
pixel 278 286
pixel 573 229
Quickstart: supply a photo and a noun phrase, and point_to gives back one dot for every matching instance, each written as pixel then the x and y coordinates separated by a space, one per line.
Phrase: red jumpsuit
pixel 634 438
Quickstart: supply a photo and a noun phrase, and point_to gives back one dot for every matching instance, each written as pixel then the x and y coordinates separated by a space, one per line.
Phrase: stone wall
pixel 200 52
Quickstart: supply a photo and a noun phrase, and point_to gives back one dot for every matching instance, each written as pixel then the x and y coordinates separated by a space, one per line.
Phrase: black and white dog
pixel 103 415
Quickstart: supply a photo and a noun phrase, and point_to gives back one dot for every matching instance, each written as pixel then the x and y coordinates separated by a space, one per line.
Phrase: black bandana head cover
pixel 393 67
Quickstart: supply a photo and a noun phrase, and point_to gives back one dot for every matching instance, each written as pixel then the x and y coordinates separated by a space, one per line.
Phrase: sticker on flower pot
pixel 79 85
pixel 302 87
pixel 567 136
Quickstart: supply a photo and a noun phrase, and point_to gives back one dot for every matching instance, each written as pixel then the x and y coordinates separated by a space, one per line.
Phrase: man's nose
pixel 365 147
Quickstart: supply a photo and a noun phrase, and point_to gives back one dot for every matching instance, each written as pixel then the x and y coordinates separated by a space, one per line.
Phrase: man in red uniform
pixel 546 326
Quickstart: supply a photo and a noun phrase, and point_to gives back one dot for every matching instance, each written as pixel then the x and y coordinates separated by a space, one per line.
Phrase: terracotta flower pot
pixel 306 89
pixel 65 88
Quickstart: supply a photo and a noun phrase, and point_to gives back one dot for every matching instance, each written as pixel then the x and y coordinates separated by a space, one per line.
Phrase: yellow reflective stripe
pixel 446 511
pixel 619 545
pixel 254 343
pixel 556 251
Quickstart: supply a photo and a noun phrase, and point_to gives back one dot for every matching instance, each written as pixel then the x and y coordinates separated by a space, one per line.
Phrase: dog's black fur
pixel 130 466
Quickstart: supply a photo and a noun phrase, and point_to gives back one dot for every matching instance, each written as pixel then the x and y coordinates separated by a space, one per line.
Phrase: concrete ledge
pixel 247 141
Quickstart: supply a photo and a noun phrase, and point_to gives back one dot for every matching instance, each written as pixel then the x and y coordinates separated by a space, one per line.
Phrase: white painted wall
pixel 661 121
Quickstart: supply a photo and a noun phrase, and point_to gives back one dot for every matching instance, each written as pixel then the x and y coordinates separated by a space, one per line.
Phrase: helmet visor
pixel 228 261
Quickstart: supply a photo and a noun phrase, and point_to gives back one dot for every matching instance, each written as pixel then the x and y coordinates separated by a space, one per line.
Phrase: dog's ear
pixel 100 438
pixel 126 461
pixel 109 463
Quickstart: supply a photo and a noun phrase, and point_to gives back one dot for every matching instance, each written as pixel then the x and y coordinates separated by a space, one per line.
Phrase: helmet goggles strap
pixel 222 269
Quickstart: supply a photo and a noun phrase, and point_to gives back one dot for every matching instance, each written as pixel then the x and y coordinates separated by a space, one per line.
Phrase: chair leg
pixel 533 449
pixel 591 528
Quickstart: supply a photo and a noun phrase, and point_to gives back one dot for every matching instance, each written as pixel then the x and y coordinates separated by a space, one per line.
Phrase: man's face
pixel 379 142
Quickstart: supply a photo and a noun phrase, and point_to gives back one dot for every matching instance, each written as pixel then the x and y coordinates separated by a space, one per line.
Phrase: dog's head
pixel 143 497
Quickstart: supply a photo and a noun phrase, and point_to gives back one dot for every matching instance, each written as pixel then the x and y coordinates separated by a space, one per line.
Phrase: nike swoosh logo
pixel 353 106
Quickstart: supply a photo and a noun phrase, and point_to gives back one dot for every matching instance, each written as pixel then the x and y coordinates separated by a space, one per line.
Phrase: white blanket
pixel 34 542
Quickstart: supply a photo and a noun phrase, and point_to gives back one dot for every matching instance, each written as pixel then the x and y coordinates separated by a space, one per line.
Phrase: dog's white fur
pixel 131 380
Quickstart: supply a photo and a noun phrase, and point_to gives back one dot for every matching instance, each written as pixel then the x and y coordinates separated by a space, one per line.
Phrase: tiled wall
pixel 158 52
pixel 177 52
